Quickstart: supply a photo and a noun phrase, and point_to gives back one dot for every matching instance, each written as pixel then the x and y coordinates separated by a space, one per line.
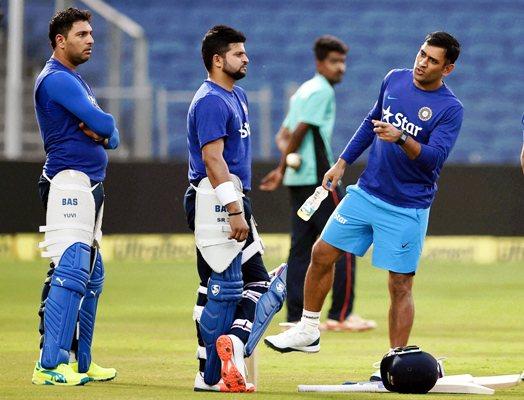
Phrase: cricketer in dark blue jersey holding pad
pixel 411 130
pixel 76 134
pixel 236 298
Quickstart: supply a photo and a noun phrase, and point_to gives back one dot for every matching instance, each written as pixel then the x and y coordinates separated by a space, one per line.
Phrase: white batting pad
pixel 212 226
pixel 256 247
pixel 98 226
pixel 70 214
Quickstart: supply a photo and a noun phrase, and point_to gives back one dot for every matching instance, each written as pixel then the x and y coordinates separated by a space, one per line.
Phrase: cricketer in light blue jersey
pixel 411 130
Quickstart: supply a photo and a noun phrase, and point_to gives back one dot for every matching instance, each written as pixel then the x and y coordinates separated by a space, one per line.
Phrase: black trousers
pixel 303 236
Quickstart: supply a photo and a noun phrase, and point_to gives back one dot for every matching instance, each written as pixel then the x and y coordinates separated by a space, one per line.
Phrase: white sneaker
pixel 297 338
pixel 201 386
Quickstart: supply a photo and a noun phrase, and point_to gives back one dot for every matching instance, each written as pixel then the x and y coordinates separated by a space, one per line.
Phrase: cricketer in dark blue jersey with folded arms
pixel 76 134
pixel 411 130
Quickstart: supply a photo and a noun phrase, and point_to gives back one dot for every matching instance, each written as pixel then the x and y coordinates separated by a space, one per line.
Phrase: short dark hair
pixel 445 41
pixel 326 43
pixel 63 20
pixel 217 41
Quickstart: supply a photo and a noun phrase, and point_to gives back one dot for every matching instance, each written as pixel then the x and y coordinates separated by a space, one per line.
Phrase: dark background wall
pixel 147 198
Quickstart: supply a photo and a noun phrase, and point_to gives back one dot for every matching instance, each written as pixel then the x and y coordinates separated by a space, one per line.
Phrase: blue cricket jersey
pixel 63 100
pixel 217 113
pixel 432 118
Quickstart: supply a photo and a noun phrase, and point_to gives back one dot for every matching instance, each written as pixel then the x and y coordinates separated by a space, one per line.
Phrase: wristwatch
pixel 402 139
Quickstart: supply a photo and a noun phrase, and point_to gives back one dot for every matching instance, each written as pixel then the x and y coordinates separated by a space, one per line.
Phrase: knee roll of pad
pixel 87 314
pixel 223 294
pixel 68 286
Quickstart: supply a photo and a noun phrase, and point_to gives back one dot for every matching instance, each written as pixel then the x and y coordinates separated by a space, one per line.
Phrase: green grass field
pixel 468 313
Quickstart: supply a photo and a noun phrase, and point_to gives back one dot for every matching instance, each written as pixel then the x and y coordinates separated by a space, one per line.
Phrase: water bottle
pixel 312 203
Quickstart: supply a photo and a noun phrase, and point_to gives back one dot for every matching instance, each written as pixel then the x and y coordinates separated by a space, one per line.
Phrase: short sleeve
pixel 211 117
pixel 314 108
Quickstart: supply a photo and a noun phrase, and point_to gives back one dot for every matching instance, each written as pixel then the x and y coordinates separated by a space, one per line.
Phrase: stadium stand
pixel 382 35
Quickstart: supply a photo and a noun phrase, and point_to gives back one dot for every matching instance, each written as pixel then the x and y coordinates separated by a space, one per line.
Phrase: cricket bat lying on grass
pixel 466 384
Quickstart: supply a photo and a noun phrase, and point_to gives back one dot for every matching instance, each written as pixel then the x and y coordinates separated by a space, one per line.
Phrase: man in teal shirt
pixel 313 105
pixel 304 141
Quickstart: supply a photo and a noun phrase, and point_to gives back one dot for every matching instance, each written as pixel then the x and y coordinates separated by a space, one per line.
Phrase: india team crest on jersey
pixel 425 113
pixel 244 107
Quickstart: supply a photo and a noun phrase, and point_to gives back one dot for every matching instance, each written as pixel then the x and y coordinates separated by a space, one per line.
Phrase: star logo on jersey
pixel 386 114
pixel 400 121
pixel 245 131
pixel 425 113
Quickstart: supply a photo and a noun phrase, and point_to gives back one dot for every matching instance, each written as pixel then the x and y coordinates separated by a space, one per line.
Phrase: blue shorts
pixel 397 233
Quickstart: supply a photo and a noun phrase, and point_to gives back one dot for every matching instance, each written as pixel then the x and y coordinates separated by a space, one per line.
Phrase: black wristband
pixel 402 139
pixel 235 213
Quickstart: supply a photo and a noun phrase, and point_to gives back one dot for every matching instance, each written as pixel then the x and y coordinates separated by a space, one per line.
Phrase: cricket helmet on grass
pixel 409 370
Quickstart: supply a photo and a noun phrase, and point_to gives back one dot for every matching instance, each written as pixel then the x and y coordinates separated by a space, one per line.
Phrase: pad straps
pixel 69 187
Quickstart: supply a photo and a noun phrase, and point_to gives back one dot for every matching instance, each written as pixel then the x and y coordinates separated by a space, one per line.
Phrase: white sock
pixel 310 319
